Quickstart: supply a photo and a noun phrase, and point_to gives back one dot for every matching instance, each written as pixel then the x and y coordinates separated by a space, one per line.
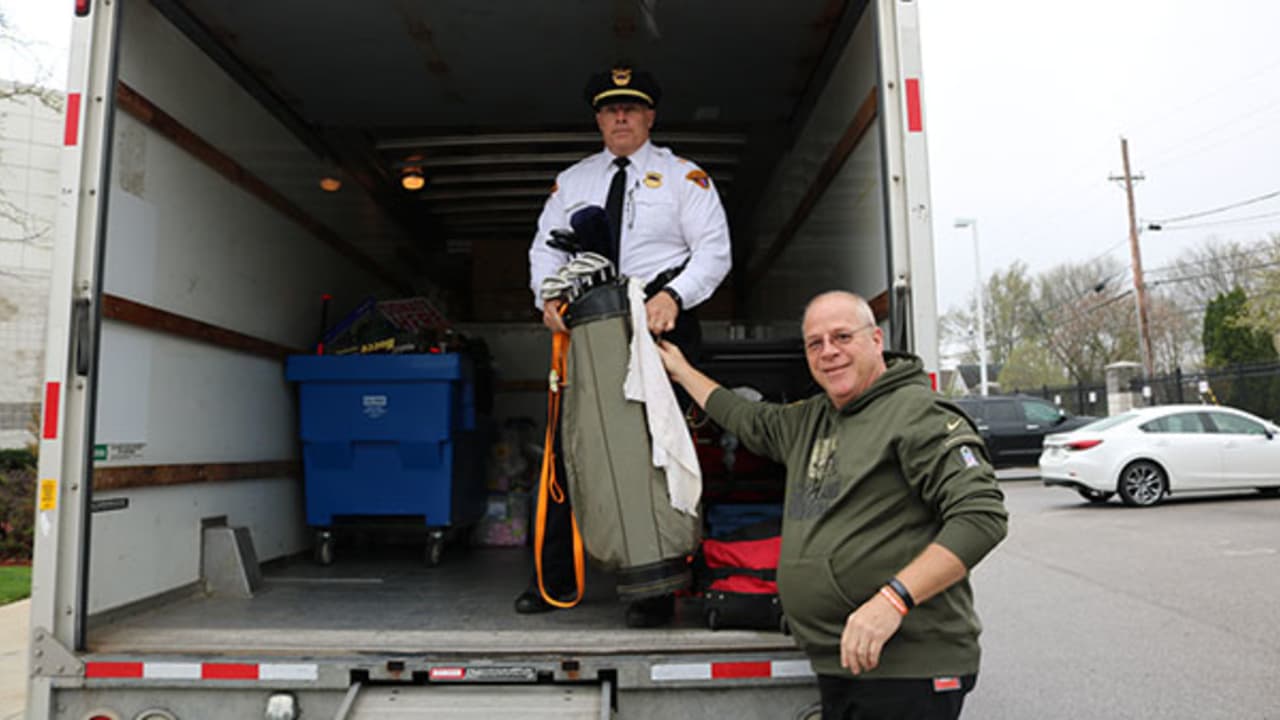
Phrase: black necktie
pixel 613 206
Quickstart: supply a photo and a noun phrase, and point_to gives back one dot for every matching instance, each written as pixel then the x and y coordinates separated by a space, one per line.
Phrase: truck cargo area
pixel 233 163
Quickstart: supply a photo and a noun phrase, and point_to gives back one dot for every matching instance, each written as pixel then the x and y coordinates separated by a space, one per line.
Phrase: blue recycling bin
pixel 389 437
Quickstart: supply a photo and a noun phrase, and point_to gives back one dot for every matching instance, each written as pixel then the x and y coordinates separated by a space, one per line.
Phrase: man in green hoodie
pixel 890 502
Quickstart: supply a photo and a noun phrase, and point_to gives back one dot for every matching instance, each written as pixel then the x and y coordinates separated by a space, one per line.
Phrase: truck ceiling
pixel 485 98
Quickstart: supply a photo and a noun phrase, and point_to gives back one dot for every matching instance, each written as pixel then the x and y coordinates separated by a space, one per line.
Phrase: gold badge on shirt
pixel 653 179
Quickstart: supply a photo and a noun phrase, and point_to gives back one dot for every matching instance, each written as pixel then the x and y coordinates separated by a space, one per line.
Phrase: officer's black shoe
pixel 530 602
pixel 651 612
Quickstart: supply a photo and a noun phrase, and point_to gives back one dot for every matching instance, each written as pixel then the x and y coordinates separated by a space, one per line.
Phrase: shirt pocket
pixel 656 217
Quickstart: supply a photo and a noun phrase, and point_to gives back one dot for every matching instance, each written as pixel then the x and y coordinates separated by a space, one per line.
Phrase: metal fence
pixel 1079 399
pixel 1253 387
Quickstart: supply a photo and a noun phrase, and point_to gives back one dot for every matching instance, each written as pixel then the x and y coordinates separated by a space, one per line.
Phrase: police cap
pixel 622 84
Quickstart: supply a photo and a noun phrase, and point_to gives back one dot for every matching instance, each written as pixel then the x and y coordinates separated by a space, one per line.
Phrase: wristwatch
pixel 674 296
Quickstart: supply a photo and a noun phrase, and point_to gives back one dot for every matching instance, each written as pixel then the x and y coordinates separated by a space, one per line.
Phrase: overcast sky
pixel 1025 104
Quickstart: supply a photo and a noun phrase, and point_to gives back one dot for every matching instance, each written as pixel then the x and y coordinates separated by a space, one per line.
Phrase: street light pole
pixel 982 324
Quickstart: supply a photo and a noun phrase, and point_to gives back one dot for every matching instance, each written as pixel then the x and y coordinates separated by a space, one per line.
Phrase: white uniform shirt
pixel 671 213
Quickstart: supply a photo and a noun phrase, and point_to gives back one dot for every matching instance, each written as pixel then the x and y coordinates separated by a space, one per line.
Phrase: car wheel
pixel 1142 484
pixel 1097 497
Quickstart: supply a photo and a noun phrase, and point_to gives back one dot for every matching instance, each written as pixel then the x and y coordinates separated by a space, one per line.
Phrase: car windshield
pixel 1108 422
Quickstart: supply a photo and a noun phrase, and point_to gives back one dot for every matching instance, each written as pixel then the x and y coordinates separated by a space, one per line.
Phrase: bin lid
pixel 311 368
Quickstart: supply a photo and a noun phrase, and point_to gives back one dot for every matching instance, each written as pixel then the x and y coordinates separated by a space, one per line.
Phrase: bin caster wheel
pixel 435 551
pixel 324 548
pixel 713 619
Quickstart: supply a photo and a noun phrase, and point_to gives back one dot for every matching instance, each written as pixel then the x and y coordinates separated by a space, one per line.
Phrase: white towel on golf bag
pixel 647 382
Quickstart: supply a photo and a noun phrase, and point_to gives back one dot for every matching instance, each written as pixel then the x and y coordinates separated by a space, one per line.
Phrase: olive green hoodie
pixel 869 486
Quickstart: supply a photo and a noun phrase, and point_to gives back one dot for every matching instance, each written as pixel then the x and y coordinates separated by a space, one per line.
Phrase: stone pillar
pixel 1119 397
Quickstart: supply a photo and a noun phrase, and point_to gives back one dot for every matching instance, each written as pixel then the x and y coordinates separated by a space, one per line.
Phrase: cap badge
pixel 622 77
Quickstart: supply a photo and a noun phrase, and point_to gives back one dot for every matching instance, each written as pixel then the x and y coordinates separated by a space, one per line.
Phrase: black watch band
pixel 896 585
pixel 674 296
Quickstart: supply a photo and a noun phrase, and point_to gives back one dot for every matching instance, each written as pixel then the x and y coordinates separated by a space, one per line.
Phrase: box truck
pixel 227 164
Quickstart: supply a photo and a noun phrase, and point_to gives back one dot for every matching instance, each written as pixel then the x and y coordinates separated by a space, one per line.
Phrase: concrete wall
pixel 29 146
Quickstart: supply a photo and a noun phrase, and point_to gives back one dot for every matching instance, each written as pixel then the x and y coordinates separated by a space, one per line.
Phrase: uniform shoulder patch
pixel 966 454
pixel 555 187
pixel 699 178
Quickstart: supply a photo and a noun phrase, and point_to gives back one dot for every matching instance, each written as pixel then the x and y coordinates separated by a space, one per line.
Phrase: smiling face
pixel 625 126
pixel 843 345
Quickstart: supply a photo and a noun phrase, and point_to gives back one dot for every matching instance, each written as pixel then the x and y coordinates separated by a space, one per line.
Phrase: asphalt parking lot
pixel 1115 612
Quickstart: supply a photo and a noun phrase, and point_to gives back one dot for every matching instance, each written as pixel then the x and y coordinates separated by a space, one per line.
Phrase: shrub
pixel 17 504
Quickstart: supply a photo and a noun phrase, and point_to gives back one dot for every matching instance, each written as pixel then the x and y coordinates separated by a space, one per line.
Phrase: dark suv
pixel 1014 426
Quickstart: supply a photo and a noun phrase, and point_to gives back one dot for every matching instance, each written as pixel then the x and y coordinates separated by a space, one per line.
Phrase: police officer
pixel 668 228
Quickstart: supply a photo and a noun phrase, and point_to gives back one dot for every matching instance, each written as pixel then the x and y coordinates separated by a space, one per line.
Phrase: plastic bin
pixel 389 437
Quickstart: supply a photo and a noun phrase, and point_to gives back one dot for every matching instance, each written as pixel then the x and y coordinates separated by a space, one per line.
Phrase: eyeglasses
pixel 840 338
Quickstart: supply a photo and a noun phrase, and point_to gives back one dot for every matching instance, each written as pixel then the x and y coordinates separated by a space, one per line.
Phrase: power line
pixel 1224 208
pixel 1231 221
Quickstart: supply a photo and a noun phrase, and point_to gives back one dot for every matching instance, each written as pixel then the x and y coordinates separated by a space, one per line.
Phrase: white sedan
pixel 1148 453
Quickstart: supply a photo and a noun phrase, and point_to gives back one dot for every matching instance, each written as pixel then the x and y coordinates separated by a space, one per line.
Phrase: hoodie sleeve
pixel 945 461
pixel 766 428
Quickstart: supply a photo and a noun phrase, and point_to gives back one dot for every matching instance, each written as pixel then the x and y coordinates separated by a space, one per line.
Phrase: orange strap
pixel 548 487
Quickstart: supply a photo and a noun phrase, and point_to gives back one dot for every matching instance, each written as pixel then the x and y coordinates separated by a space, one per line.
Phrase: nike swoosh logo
pixel 953 424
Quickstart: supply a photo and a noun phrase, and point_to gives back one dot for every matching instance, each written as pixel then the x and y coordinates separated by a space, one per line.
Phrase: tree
pixel 1263 309
pixel 1006 299
pixel 17 224
pixel 1084 318
pixel 1031 365
pixel 1227 340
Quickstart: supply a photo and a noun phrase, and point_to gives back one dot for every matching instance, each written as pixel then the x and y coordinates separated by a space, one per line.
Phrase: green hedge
pixel 17 504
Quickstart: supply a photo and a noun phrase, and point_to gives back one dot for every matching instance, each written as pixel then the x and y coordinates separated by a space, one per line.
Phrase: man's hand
pixel 865 633
pixel 661 311
pixel 674 361
pixel 551 316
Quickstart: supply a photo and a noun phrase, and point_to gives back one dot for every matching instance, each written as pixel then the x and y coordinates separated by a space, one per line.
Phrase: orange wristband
pixel 894 600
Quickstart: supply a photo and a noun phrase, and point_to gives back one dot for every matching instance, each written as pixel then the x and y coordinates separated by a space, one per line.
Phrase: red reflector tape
pixel 203 671
pixel 52 392
pixel 113 670
pixel 725 671
pixel 915 119
pixel 731 670
pixel 71 132
pixel 228 671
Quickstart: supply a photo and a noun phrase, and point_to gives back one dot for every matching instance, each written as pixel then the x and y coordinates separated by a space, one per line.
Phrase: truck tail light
pixel 82 7
pixel 1083 444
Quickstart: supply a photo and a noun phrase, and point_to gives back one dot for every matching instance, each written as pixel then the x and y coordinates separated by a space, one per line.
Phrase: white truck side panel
pixel 131 564
pixel 182 238
pixel 841 243
pixel 906 158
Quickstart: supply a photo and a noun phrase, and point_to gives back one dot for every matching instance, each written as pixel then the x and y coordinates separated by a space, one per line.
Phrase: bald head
pixel 843 345
pixel 859 306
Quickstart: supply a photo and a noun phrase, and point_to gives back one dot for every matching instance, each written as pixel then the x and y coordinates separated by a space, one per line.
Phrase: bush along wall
pixel 17 505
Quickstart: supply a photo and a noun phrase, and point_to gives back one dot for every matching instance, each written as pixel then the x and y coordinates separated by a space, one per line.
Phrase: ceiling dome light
pixel 411 179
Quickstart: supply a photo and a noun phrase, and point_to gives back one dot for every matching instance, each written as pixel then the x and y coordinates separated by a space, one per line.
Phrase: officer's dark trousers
pixel 848 698
pixel 557 548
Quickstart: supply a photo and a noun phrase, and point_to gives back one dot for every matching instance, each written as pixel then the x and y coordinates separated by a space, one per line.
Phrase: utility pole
pixel 1139 285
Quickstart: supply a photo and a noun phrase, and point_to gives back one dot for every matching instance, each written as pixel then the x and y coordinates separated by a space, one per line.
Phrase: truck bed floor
pixel 385 600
